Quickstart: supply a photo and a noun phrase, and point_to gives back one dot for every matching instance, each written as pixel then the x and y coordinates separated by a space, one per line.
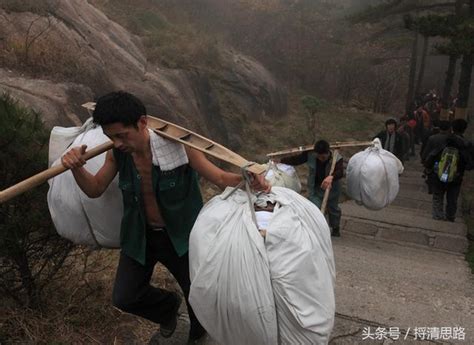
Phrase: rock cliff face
pixel 103 56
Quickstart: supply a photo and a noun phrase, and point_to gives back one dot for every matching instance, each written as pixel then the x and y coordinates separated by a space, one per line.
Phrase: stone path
pixel 399 268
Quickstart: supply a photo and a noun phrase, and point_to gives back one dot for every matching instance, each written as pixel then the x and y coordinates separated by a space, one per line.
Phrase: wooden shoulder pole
pixel 335 155
pixel 45 175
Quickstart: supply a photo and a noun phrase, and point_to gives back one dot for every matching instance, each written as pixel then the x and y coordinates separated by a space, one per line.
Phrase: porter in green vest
pixel 319 163
pixel 161 201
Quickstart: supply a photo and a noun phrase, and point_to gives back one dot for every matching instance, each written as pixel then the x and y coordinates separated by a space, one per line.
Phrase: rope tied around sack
pixel 246 180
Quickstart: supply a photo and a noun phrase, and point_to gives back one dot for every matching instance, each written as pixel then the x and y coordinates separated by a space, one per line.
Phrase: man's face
pixel 391 128
pixel 126 138
pixel 322 157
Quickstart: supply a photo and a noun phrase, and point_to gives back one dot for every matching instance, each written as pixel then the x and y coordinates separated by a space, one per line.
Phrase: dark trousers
pixel 317 196
pixel 412 142
pixel 452 191
pixel 132 290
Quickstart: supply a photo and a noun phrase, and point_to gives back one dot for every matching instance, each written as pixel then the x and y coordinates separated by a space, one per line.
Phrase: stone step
pixel 415 182
pixel 399 216
pixel 408 203
pixel 412 180
pixel 422 212
pixel 413 166
pixel 412 173
pixel 422 207
pixel 402 286
pixel 394 224
pixel 415 193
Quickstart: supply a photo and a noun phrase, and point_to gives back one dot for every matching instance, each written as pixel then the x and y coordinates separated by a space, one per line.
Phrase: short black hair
pixel 118 106
pixel 459 126
pixel 391 122
pixel 444 125
pixel 321 146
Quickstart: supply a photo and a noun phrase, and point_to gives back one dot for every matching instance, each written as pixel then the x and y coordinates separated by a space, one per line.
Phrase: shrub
pixel 31 253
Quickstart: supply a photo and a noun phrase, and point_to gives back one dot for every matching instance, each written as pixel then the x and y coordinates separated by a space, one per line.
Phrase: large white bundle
pixel 93 222
pixel 238 279
pixel 231 291
pixel 283 175
pixel 372 177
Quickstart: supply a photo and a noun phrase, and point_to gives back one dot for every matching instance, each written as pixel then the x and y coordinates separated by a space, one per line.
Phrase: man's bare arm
pixel 219 177
pixel 92 185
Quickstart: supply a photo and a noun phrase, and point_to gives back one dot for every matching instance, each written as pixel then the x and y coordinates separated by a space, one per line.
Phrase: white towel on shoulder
pixel 168 155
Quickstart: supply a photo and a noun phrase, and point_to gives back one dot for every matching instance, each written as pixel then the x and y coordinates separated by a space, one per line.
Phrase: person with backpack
pixel 448 167
pixel 437 139
pixel 433 145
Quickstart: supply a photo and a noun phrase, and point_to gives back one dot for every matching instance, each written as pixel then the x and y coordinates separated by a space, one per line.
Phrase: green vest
pixel 179 199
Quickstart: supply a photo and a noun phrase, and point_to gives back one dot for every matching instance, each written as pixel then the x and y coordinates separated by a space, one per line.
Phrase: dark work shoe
pixel 197 333
pixel 335 232
pixel 167 328
pixel 197 340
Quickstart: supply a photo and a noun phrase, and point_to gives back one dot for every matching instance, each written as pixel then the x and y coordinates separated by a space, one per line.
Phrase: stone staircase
pixel 407 221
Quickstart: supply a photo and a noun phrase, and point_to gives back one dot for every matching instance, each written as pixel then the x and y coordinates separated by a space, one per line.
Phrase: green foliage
pixel 31 253
pixel 312 104
pixel 433 24
pixel 457 29
pixel 145 23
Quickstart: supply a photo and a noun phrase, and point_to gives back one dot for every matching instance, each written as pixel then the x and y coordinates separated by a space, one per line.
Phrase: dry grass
pixel 333 123
pixel 42 52
pixel 79 311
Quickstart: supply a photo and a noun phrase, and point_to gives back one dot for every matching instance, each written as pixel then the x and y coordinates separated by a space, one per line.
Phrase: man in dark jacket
pixel 319 162
pixel 452 188
pixel 391 140
pixel 436 141
pixel 432 147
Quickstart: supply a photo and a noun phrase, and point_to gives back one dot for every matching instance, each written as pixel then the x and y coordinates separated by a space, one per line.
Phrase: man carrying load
pixel 319 163
pixel 161 199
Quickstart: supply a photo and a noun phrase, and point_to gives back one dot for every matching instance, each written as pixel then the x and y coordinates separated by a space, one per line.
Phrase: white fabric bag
pixel 372 177
pixel 238 278
pixel 299 251
pixel 92 222
pixel 62 137
pixel 283 175
pixel 231 292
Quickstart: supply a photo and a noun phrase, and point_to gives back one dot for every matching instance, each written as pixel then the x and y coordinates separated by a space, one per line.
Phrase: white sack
pixel 62 137
pixel 92 222
pixel 283 175
pixel 238 279
pixel 372 177
pixel 231 292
